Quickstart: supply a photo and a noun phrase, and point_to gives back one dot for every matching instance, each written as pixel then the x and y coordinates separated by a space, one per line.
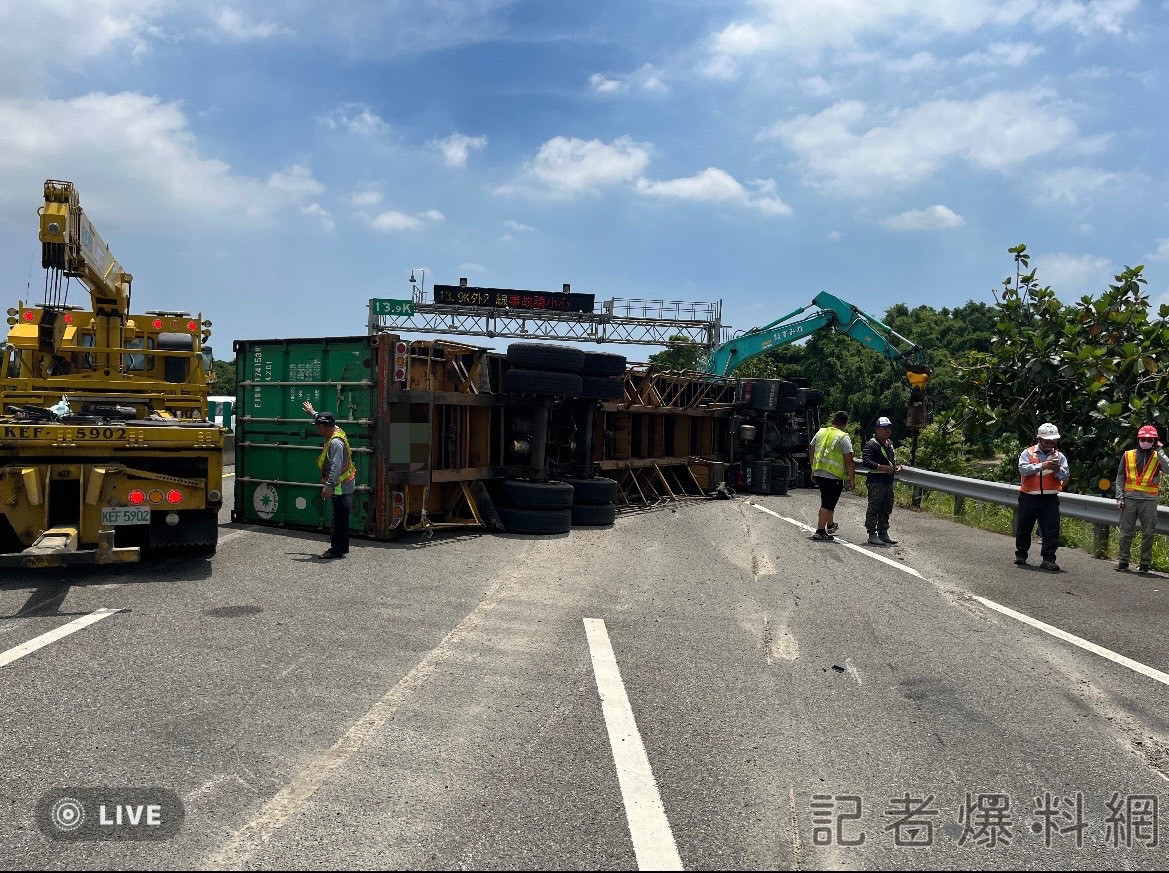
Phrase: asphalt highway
pixel 700 686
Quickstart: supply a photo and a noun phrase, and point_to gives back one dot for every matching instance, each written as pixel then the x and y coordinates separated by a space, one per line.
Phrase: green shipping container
pixel 277 479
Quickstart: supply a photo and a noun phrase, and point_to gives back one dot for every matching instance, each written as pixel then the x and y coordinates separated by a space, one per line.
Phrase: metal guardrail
pixel 1096 510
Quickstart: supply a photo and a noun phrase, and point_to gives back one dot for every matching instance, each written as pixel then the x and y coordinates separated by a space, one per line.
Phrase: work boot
pixel 1021 560
pixel 886 539
pixel 1050 565
pixel 1143 568
pixel 875 540
pixel 1122 566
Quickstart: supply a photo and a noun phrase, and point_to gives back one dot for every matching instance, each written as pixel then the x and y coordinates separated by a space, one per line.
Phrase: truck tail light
pixel 174 496
pixel 399 510
pixel 155 496
pixel 136 497
pixel 400 350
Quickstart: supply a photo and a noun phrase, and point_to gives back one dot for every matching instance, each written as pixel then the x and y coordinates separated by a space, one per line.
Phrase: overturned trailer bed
pixel 447 434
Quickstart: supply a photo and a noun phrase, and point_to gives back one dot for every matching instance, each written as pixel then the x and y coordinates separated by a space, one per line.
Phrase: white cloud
pixel 931 218
pixel 604 85
pixel 1004 54
pixel 518 226
pixel 472 268
pixel 1072 275
pixel 916 64
pixel 230 23
pixel 997 131
pixel 457 147
pixel 368 196
pixel 647 78
pixel 1162 251
pixel 803 31
pixel 392 221
pixel 817 86
pixel 835 235
pixel 1096 15
pixel 355 118
pixel 1074 184
pixel 132 158
pixel 321 213
pixel 713 185
pixel 565 167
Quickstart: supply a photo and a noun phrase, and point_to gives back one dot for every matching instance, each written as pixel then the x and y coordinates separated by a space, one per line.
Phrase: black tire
pixel 541 356
pixel 813 397
pixel 787 389
pixel 518 494
pixel 604 364
pixel 787 404
pixel 541 382
pixel 601 388
pixel 593 514
pixel 599 490
pixel 536 521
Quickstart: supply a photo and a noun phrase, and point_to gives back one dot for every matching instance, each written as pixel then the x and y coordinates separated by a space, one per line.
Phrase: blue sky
pixel 276 164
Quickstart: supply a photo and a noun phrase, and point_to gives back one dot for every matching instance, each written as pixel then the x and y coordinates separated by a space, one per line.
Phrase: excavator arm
pixel 842 317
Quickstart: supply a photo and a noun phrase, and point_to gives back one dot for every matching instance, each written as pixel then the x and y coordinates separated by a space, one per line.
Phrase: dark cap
pixel 324 418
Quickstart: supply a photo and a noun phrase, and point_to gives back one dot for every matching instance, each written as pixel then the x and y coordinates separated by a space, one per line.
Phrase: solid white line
pixel 52 636
pixel 1150 672
pixel 234 535
pixel 653 842
pixel 847 545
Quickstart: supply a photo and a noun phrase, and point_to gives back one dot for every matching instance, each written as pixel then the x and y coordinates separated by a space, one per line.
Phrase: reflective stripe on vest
pixel 1148 480
pixel 350 471
pixel 1043 482
pixel 825 458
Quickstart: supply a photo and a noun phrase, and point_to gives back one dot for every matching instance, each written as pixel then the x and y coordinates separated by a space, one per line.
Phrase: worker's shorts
pixel 830 490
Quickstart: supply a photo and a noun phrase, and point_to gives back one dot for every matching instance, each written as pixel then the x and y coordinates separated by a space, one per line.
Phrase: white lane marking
pixel 1151 672
pixel 852 671
pixel 234 535
pixel 847 545
pixel 52 636
pixel 1144 670
pixel 653 842
pixel 323 768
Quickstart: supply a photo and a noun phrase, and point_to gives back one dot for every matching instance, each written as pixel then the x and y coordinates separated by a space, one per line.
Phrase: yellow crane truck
pixel 105 444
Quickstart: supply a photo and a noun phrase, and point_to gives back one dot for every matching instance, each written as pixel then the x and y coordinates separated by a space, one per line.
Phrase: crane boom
pixel 70 243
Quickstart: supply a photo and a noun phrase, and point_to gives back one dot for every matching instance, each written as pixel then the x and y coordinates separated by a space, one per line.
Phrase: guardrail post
pixel 1100 536
pixel 959 505
pixel 916 501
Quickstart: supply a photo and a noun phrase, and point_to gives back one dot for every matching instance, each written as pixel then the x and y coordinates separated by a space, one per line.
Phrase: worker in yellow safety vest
pixel 338 478
pixel 1138 484
pixel 832 464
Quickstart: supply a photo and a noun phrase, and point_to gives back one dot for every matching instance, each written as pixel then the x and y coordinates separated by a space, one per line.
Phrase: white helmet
pixel 1048 431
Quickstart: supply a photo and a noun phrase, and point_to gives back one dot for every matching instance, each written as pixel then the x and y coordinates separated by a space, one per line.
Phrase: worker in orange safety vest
pixel 1043 470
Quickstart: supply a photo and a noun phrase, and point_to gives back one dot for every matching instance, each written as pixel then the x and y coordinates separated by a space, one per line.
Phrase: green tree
pixel 682 354
pixel 1091 367
pixel 224 383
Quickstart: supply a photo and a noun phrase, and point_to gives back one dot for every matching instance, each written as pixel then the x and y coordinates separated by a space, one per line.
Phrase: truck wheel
pixel 519 494
pixel 536 521
pixel 599 490
pixel 541 382
pixel 594 514
pixel 541 356
pixel 787 389
pixel 787 404
pixel 601 388
pixel 813 397
pixel 604 364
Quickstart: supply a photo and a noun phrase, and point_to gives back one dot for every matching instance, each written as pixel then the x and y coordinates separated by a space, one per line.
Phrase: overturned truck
pixel 533 440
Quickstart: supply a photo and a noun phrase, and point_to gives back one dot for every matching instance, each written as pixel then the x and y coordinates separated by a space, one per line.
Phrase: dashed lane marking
pixel 18 652
pixel 653 841
pixel 1087 645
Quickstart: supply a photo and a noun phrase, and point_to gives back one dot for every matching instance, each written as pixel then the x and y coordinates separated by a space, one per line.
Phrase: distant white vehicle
pixel 221 410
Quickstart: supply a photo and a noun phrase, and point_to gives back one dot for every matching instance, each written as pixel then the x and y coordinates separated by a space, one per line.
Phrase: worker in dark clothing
pixel 882 464
pixel 1043 472
pixel 338 478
